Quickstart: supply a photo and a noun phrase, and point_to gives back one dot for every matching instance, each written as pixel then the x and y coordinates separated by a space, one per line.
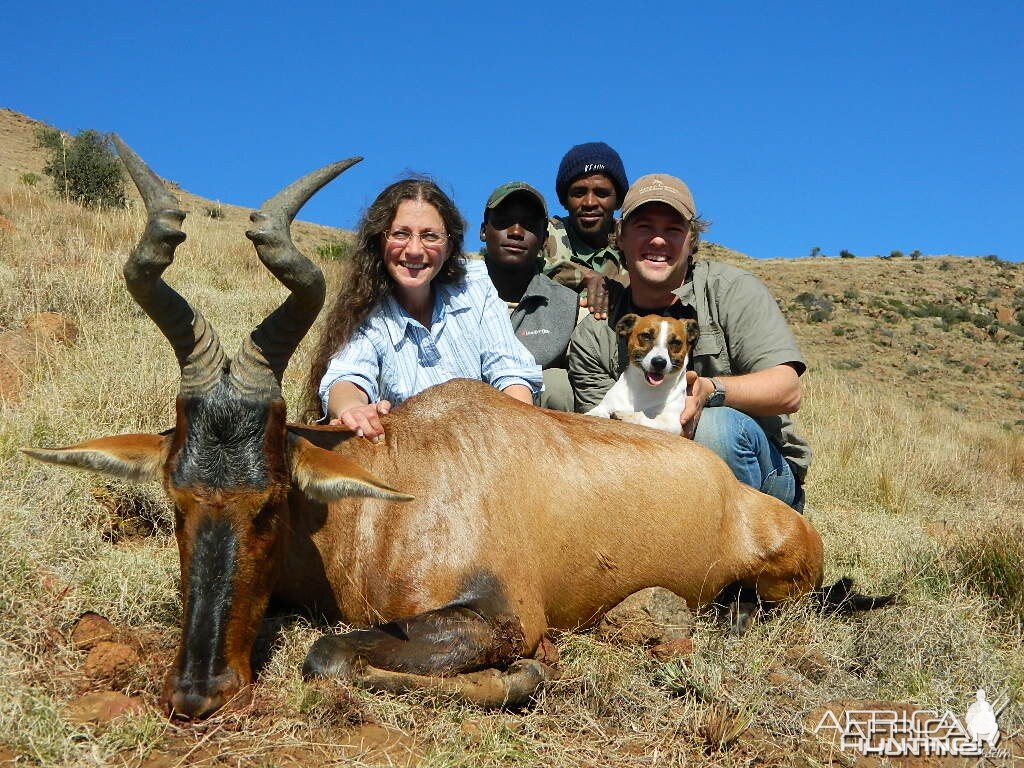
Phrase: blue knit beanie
pixel 585 159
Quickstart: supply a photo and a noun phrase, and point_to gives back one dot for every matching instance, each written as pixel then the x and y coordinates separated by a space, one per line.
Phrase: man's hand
pixel 364 420
pixel 594 294
pixel 698 389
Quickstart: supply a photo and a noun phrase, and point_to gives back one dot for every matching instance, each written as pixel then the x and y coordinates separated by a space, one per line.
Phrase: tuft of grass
pixel 989 558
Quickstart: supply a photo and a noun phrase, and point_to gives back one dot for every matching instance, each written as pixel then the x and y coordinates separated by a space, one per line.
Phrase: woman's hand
pixel 364 420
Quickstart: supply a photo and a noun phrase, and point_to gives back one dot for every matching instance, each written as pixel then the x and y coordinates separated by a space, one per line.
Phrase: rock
pixel 471 730
pixel 547 652
pixel 651 616
pixel 673 649
pixel 808 661
pixel 90 629
pixel 111 662
pixel 103 707
pixel 1005 315
pixel 1001 335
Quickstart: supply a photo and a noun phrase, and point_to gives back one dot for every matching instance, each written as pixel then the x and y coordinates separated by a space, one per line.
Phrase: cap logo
pixel 591 167
pixel 654 184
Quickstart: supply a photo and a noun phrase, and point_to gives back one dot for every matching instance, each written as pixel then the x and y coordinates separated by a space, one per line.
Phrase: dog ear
pixel 625 326
pixel 692 331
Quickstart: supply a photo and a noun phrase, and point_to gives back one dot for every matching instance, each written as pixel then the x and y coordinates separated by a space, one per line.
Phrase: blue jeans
pixel 752 457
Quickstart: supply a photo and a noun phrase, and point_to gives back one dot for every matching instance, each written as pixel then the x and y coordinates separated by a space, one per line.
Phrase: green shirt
pixel 742 331
pixel 565 252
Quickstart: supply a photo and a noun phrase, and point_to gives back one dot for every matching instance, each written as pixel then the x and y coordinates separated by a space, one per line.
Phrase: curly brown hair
pixel 366 282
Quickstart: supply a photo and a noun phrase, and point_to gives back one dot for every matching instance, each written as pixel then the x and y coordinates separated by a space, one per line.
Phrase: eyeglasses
pixel 429 239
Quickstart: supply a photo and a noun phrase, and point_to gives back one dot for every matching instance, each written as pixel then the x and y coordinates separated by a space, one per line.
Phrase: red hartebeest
pixel 508 519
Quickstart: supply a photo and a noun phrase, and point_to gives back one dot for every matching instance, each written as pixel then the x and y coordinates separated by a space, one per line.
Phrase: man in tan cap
pixel 746 364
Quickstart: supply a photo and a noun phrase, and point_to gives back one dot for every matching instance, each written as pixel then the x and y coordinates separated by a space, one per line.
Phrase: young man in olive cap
pixel 543 313
pixel 746 364
pixel 590 183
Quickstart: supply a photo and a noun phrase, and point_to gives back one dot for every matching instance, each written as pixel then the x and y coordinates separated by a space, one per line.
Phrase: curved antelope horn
pixel 194 340
pixel 260 363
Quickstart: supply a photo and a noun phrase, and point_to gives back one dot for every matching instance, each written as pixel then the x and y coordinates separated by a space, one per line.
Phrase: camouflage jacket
pixel 564 254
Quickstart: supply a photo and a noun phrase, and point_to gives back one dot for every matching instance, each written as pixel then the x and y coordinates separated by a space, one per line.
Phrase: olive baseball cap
pixel 659 188
pixel 498 195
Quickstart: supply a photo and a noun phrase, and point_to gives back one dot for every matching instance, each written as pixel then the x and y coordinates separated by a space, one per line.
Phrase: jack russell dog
pixel 652 389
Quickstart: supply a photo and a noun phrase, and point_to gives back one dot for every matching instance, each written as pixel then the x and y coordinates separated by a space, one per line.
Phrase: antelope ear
pixel 326 476
pixel 131 457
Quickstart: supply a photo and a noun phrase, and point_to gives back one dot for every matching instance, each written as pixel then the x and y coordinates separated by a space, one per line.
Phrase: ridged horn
pixel 194 340
pixel 260 364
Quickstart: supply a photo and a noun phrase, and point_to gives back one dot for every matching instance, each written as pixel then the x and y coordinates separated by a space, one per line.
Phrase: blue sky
pixel 865 126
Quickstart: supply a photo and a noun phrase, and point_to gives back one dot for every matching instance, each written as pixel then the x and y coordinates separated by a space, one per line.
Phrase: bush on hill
pixel 83 168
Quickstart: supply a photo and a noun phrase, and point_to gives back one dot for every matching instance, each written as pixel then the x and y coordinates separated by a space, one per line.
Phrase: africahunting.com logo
pixel 915 732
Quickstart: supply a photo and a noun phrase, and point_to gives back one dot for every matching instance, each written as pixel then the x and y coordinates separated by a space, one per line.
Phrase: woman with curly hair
pixel 412 313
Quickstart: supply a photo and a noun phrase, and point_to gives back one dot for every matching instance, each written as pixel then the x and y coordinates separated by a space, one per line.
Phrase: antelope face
pixel 228 479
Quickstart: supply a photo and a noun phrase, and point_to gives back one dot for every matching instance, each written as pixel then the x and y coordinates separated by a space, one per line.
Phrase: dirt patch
pixel 102 707
pixel 20 349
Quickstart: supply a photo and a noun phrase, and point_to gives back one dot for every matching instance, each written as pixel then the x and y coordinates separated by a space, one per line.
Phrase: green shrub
pixel 896 254
pixel 83 168
pixel 29 179
pixel 915 255
pixel 815 251
pixel 945 265
pixel 845 254
pixel 215 212
pixel 334 250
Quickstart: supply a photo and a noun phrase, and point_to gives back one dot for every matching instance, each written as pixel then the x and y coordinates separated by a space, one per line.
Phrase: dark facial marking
pixel 211 574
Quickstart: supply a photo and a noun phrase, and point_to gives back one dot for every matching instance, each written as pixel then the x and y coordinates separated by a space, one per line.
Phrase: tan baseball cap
pixel 659 188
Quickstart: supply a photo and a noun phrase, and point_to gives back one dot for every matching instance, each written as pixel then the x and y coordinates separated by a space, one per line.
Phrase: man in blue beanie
pixel 591 184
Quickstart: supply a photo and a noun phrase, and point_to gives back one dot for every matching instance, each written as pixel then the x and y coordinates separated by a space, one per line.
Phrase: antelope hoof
pixel 331 657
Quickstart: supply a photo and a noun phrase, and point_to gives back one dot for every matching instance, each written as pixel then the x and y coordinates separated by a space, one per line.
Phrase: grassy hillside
pixel 917 487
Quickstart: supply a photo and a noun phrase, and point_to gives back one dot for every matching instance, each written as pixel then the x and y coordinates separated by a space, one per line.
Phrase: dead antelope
pixel 508 520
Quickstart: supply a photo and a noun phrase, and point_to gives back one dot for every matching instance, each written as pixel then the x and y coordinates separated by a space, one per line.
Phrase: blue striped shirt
pixel 392 356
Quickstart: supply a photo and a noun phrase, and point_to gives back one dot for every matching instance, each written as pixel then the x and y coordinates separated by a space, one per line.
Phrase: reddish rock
pixel 1005 315
pixel 103 707
pixel 673 649
pixel 808 661
pixel 111 662
pixel 651 616
pixel 90 629
pixel 547 652
pixel 6 225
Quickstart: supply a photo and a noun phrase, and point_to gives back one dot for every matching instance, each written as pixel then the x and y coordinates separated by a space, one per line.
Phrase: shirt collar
pixel 449 298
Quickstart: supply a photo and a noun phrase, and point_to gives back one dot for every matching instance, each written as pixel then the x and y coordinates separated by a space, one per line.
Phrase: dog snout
pixel 658 364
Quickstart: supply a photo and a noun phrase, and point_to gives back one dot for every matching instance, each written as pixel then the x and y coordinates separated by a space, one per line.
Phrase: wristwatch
pixel 716 398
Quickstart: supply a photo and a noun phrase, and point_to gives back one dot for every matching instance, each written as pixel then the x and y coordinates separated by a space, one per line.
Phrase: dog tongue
pixel 654 379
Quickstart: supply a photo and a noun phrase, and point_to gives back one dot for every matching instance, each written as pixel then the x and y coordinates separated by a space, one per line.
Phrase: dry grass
pixel 908 496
